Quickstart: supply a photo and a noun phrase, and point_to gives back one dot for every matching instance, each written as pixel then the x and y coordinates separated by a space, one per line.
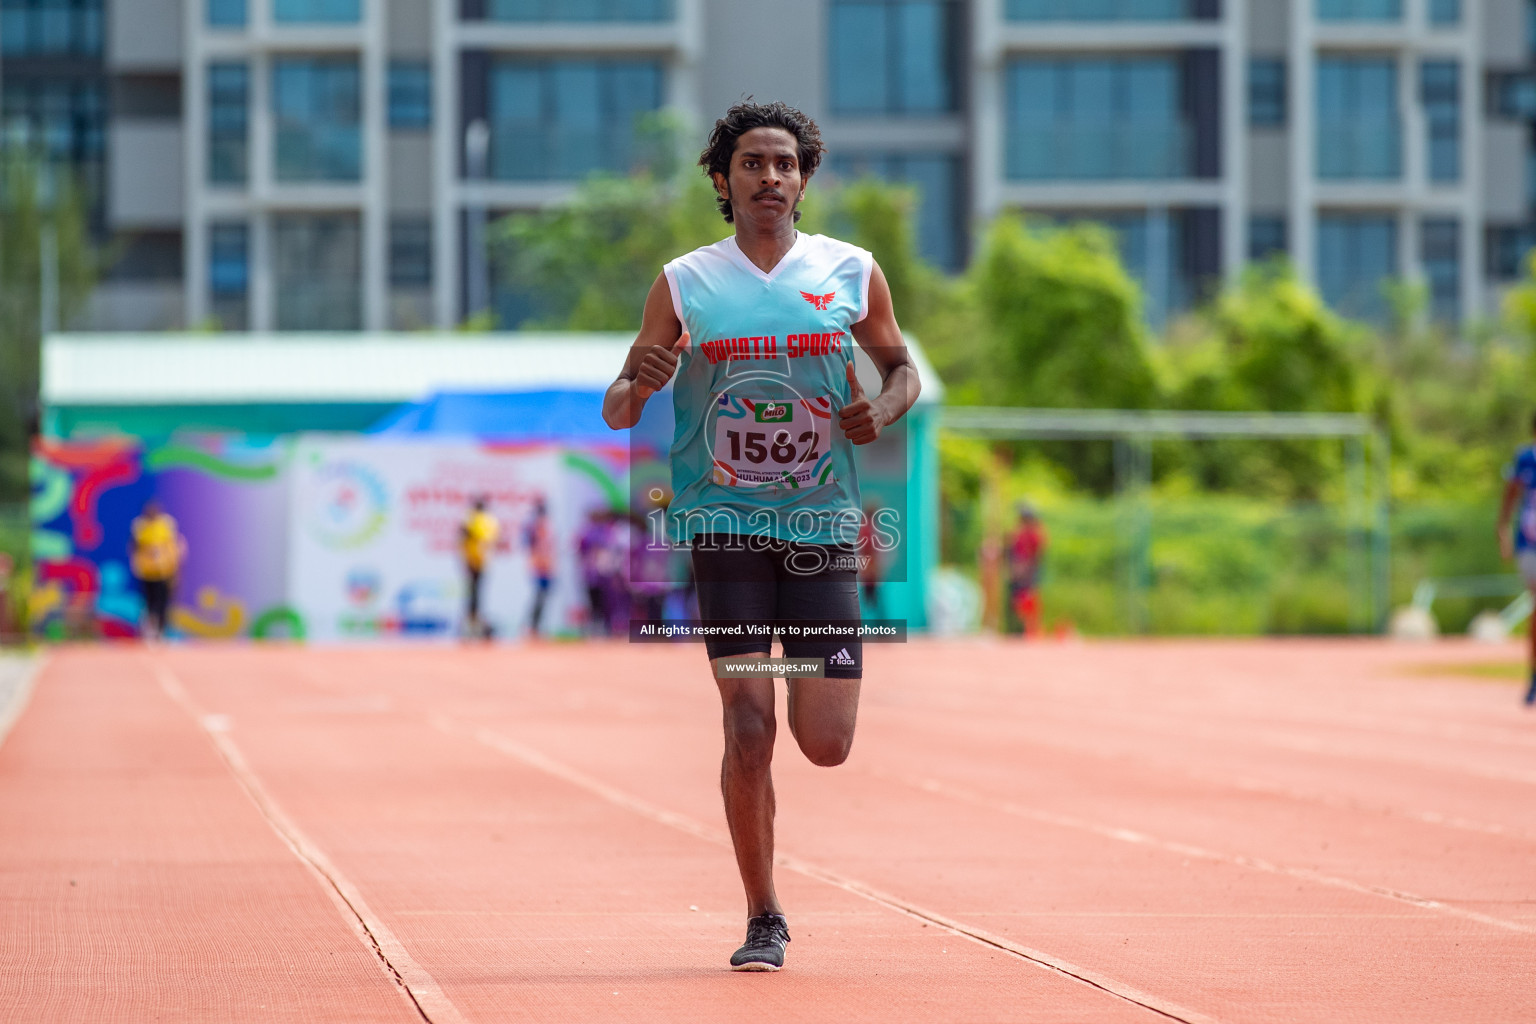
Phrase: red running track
pixel 1262 831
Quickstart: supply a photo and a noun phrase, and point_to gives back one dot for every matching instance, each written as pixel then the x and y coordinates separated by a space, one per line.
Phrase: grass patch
pixel 1483 671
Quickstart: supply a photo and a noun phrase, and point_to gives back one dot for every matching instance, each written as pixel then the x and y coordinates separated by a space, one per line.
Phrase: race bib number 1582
pixel 761 443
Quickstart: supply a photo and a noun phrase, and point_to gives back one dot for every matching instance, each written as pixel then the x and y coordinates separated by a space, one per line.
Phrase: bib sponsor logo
pixel 773 412
pixel 819 301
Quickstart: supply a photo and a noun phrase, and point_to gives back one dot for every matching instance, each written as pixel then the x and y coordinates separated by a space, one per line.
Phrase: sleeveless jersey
pixel 757 449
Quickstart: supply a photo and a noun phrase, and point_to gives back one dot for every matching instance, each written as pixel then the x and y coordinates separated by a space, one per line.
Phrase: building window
pixel 50 28
pixel 893 57
pixel 229 274
pixel 1092 118
pixel 1440 255
pixel 936 177
pixel 64 118
pixel 564 119
pixel 1266 92
pixel 410 95
pixel 410 252
pixel 1445 12
pixel 1359 10
pixel 1511 95
pixel 1356 256
pixel 1509 247
pixel 1112 10
pixel 228 116
pixel 1440 92
pixel 316 11
pixel 317 272
pixel 1359 132
pixel 226 13
pixel 578 10
pixel 1266 238
pixel 317 113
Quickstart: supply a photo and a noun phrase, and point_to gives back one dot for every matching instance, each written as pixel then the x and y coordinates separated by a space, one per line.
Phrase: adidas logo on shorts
pixel 842 657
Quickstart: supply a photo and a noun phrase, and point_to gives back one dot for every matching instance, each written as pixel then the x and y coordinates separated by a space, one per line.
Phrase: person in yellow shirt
pixel 477 538
pixel 156 551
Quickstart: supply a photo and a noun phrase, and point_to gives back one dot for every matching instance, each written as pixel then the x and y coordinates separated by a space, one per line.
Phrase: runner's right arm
pixel 651 361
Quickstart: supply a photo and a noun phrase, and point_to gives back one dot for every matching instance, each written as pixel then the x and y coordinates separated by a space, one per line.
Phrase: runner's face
pixel 765 184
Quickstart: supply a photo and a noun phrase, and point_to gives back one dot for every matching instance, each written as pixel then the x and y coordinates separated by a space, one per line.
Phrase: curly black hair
pixel 742 118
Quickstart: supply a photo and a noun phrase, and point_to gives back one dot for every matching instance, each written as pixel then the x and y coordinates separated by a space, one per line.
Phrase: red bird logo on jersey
pixel 819 301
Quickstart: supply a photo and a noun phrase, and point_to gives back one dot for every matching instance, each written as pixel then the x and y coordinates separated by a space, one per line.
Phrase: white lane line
pixel 1119 755
pixel 1126 835
pixel 417 986
pixel 21 692
pixel 1111 986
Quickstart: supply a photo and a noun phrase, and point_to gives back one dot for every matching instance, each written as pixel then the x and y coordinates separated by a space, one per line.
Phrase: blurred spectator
pixel 156 551
pixel 597 569
pixel 651 565
pixel 1025 550
pixel 477 538
pixel 869 561
pixel 541 558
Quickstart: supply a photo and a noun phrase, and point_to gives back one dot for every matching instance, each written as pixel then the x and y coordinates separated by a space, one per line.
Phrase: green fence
pixel 1220 565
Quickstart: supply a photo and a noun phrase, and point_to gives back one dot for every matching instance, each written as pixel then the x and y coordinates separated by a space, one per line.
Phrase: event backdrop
pixel 326 537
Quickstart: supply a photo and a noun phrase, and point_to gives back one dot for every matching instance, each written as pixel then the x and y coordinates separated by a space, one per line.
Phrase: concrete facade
pixel 416 186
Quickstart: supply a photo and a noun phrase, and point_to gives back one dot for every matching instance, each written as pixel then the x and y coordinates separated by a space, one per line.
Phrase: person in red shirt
pixel 1025 550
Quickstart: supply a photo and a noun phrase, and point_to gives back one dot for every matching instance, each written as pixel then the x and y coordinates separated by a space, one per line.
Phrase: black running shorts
pixel 759 578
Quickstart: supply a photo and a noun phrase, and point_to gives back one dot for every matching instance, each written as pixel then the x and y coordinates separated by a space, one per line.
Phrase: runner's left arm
pixel 877 334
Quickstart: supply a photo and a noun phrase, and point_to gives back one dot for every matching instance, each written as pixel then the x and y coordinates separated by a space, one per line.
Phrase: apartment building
pixel 334 164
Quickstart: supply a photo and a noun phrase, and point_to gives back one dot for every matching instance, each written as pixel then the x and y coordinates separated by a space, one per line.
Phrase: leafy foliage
pixel 25 212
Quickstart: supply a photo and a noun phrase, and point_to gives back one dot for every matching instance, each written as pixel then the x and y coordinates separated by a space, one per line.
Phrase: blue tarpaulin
pixel 554 416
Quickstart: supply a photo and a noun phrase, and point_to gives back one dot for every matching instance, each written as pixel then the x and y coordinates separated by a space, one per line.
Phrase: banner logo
pixel 348 505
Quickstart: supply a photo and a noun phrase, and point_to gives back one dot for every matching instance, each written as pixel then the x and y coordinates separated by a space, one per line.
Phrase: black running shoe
pixel 764 948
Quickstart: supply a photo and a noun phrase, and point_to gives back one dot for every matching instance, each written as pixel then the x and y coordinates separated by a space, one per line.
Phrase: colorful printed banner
pixel 318 536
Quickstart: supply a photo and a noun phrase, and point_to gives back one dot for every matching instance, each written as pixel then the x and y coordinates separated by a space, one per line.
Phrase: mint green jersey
pixel 757 449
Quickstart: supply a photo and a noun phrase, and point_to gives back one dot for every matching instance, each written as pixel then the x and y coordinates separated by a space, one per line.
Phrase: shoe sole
pixel 755 965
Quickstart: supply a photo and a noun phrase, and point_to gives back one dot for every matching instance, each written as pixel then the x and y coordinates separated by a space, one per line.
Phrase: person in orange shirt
pixel 155 553
pixel 541 559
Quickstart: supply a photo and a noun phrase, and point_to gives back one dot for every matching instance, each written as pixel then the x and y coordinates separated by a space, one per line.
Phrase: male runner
pixel 764 483
pixel 1520 543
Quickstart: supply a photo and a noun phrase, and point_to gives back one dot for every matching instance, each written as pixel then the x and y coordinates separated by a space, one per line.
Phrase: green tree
pixel 27 210
pixel 588 264
pixel 1267 344
pixel 1062 321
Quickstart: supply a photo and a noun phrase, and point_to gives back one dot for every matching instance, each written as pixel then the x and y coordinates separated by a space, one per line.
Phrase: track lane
pixel 140 884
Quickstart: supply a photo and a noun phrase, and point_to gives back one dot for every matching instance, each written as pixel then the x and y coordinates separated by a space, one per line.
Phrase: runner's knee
pixel 749 732
pixel 826 750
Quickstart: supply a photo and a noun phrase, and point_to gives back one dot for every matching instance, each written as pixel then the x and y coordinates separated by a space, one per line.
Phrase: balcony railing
pixel 1359 150
pixel 578 10
pixel 1121 152
pixel 521 151
pixel 1103 10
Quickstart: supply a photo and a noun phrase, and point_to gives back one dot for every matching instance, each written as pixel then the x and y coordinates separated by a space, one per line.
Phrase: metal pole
pixel 1382 442
pixel 47 256
pixel 1133 474
pixel 1362 614
pixel 477 284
